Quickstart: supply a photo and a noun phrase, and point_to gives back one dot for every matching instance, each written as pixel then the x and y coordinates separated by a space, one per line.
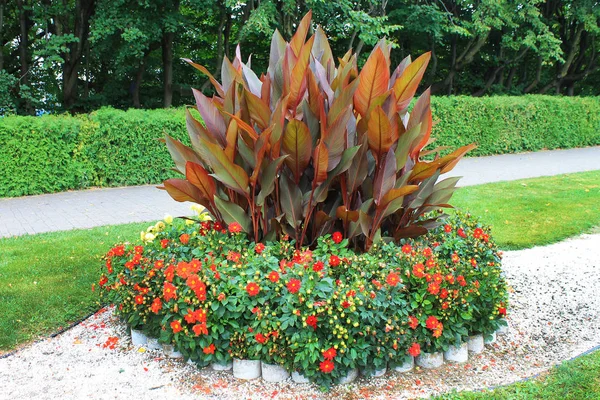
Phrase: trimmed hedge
pixel 111 147
pixel 507 124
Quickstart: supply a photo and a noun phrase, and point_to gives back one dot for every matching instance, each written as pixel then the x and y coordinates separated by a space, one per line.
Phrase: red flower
pixel 502 311
pixel 437 331
pixel 329 354
pixel 189 317
pixel 478 233
pixel 414 350
pixel 430 263
pixel 326 366
pixel 431 322
pixel 392 279
pixel 293 285
pixel 156 305
pixel 444 293
pixel 318 266
pixel 345 304
pixel 337 237
pixel 221 296
pixel 200 329
pixel 139 299
pixel 233 256
pixel 176 326
pixel 274 277
pixel 138 249
pixel 103 281
pixel 312 321
pixel 210 349
pixel 184 238
pixel 259 248
pixel 164 243
pixel 447 228
pixel 433 288
pixel 461 280
pixel 413 322
pixel 455 258
pixel 194 283
pixel 183 269
pixel 218 226
pixel 461 233
pixel 260 338
pixel 419 270
pixel 252 288
pixel 474 262
pixel 407 248
pixel 235 227
pixel 334 260
pixel 427 252
pixel 159 264
pixel 169 291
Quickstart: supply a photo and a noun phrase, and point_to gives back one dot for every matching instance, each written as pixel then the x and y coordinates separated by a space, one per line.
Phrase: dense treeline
pixel 78 55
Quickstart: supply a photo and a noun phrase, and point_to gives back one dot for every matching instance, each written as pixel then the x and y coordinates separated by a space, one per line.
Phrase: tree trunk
pixel 24 54
pixel 84 9
pixel 167 59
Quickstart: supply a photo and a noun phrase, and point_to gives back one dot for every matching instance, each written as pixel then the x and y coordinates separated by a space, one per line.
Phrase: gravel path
pixel 555 309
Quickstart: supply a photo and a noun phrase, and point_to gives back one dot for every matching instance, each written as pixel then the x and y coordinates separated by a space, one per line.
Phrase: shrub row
pixel 110 147
pixel 321 312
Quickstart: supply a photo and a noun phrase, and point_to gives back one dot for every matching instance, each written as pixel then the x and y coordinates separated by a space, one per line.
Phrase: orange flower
pixel 392 279
pixel 200 329
pixel 326 366
pixel 156 305
pixel 414 350
pixel 419 270
pixel 252 288
pixel 184 238
pixel 139 299
pixel 274 277
pixel 235 227
pixel 176 326
pixel 183 269
pixel 330 353
pixel 293 285
pixel 169 291
pixel 210 349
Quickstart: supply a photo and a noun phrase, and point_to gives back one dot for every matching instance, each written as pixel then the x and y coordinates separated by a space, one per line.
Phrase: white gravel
pixel 554 316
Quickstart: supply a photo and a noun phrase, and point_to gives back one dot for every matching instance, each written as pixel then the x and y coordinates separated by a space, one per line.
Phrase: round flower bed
pixel 319 313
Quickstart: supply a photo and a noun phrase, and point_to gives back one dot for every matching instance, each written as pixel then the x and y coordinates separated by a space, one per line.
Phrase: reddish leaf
pixel 421 113
pixel 406 85
pixel 231 175
pixel 320 163
pixel 394 194
pixel 180 153
pixel 182 190
pixel 211 116
pixel 298 78
pixel 374 81
pixel 380 134
pixel 200 178
pixel 212 79
pixel 449 162
pixel 258 109
pixel 300 35
pixel 297 143
pixel 346 215
pixel 385 177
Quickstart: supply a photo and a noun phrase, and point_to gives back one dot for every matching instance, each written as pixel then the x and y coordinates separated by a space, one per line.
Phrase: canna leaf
pixel 231 175
pixel 300 35
pixel 212 79
pixel 211 116
pixel 374 81
pixel 380 134
pixel 267 180
pixel 421 113
pixel 385 177
pixel 258 109
pixel 291 201
pixel 406 85
pixel 182 190
pixel 297 144
pixel 181 153
pixel 200 178
pixel 320 163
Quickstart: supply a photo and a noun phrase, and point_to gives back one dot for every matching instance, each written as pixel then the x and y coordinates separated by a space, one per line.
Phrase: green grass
pixel 45 279
pixel 537 211
pixel 578 379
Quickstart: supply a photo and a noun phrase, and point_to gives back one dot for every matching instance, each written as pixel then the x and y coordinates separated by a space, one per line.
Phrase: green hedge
pixel 506 124
pixel 110 147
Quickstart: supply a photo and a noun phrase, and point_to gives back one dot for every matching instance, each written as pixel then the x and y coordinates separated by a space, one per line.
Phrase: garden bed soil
pixel 554 309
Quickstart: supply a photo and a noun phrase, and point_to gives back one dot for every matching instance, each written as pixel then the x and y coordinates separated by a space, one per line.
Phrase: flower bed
pixel 324 312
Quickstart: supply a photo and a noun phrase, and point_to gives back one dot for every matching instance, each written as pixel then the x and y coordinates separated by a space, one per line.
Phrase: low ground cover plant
pixel 322 312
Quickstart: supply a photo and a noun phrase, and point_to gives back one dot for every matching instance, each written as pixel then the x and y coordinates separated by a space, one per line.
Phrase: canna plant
pixel 312 146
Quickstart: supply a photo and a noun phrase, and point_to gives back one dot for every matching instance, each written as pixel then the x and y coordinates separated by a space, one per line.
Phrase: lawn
pixel 578 379
pixel 539 211
pixel 45 279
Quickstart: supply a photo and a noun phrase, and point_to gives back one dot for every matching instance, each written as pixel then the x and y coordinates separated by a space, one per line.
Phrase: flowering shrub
pixel 213 294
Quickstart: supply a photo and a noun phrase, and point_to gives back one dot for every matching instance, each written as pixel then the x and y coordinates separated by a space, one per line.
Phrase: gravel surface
pixel 554 314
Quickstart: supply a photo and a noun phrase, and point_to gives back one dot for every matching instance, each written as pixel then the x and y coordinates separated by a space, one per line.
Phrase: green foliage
pixel 500 124
pixel 309 146
pixel 322 312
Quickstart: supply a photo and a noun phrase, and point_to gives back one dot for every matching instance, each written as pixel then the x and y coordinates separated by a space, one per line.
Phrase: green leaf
pixel 232 212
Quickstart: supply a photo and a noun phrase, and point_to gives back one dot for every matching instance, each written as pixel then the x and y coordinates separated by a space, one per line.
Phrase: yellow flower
pixel 198 208
pixel 204 216
pixel 189 222
pixel 142 235
pixel 159 226
pixel 148 237
pixel 168 219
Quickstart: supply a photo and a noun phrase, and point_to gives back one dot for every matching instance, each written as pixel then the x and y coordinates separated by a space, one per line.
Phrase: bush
pixel 110 147
pixel 503 124
pixel 322 312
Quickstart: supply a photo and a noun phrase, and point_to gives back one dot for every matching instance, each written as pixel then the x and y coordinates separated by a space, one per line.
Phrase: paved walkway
pixel 97 207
